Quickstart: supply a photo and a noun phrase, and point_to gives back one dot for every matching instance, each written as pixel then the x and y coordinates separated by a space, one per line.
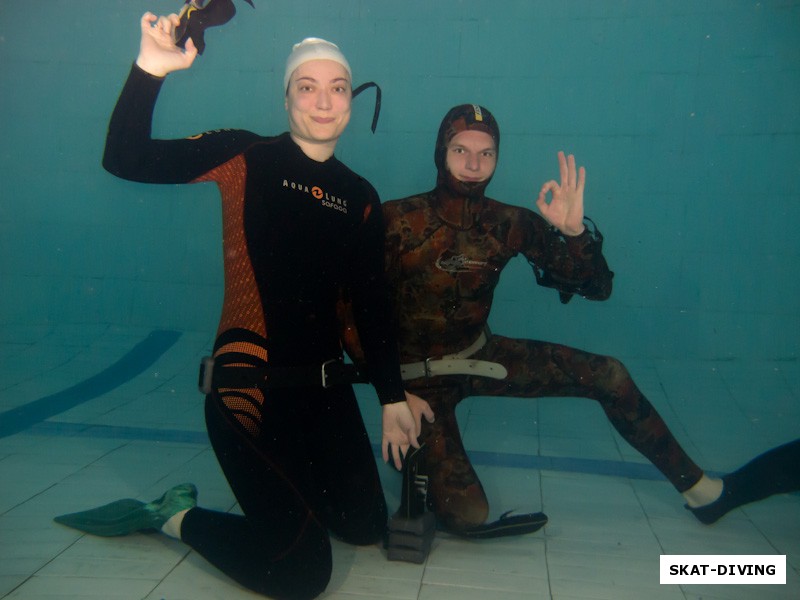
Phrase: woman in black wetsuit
pixel 298 225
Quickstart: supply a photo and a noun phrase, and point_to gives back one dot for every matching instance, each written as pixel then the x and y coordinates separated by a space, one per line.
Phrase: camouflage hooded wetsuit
pixel 445 251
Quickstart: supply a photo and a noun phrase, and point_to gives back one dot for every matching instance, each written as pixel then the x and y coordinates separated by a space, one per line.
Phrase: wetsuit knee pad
pixel 302 572
pixel 459 508
pixel 362 531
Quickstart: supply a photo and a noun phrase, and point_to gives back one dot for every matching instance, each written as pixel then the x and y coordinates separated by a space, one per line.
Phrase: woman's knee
pixel 301 573
pixel 361 525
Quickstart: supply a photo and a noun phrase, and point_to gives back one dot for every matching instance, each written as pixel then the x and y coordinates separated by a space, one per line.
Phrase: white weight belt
pixel 458 363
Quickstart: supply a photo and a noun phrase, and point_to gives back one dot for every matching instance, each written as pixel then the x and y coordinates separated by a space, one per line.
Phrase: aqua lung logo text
pixel 327 200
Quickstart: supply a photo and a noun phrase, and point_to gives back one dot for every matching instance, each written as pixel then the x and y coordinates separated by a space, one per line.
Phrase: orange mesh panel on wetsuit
pixel 241 307
pixel 242 304
pixel 244 404
pixel 243 348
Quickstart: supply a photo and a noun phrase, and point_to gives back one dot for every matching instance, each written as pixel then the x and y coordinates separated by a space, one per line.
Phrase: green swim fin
pixel 122 517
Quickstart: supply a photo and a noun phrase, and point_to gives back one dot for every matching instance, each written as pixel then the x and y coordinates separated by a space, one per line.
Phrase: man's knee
pixel 459 508
pixel 608 373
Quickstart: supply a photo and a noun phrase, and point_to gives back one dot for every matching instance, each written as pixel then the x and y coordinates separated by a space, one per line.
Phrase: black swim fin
pixel 776 471
pixel 198 15
pixel 506 525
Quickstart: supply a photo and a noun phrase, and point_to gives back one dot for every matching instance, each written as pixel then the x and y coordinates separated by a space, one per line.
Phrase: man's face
pixel 471 156
pixel 318 101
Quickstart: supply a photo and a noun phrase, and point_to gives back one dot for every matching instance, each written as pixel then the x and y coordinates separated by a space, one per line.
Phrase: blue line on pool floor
pixel 134 362
pixel 32 418
pixel 613 468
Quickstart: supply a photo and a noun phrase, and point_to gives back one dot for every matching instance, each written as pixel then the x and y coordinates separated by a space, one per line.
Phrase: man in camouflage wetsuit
pixel 445 251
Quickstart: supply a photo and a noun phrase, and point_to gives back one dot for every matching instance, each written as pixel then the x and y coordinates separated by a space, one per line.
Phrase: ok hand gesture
pixel 565 208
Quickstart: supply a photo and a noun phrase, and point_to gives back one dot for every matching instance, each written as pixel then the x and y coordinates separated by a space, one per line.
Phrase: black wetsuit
pixel 295 231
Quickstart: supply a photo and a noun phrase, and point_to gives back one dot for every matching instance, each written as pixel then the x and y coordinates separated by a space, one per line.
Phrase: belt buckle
pixel 324 373
pixel 427 365
pixel 206 374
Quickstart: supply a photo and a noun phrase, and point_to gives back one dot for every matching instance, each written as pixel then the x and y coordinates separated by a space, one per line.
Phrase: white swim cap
pixel 313 49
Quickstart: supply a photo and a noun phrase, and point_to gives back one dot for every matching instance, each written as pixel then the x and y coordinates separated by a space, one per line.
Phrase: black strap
pixel 377 112
pixel 414 493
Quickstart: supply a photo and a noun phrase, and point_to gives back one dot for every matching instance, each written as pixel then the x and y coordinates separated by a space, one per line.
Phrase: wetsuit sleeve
pixel 392 253
pixel 569 264
pixel 131 153
pixel 372 308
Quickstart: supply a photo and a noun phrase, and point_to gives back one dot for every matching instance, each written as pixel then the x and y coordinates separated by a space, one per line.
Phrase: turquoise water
pixel 685 114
